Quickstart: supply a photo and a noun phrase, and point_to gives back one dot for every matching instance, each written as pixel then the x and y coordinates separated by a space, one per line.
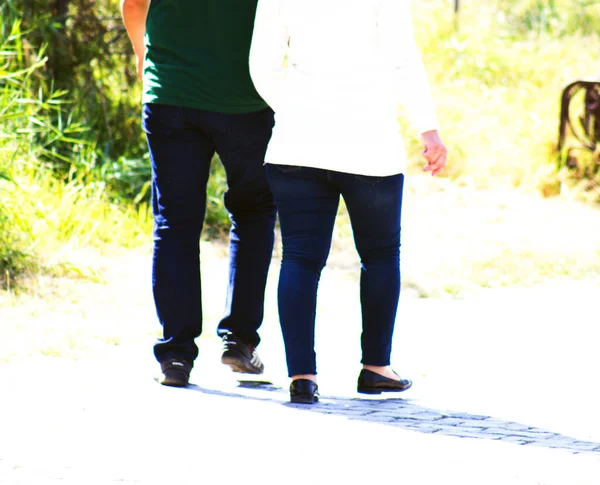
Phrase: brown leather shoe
pixel 372 383
pixel 239 356
pixel 175 372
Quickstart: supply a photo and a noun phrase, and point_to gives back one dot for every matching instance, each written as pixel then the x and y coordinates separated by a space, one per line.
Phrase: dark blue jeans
pixel 182 142
pixel 307 200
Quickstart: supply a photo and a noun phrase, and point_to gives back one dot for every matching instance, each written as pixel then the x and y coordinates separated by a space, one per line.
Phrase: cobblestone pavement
pixel 403 413
pixel 463 425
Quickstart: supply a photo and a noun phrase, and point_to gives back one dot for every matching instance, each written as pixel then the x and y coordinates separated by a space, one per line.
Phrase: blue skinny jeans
pixel 307 200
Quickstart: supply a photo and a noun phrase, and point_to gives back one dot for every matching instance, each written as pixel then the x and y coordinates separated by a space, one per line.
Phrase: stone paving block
pixel 368 412
pixel 592 448
pixel 493 423
pixel 424 416
pixel 395 405
pixel 505 432
pixel 584 445
pixel 595 452
pixel 466 416
pixel 391 404
pixel 375 417
pixel 516 439
pixel 510 425
pixel 381 414
pixel 466 434
pixel 406 411
pixel 540 430
pixel 581 442
pixel 472 423
pixel 349 412
pixel 562 438
pixel 451 422
pixel 423 428
pixel 408 421
pixel 577 448
pixel 553 443
pixel 466 429
pixel 339 409
pixel 532 435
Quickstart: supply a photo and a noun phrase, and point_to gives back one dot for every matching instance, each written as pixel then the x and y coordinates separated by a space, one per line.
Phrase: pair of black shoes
pixel 240 357
pixel 305 391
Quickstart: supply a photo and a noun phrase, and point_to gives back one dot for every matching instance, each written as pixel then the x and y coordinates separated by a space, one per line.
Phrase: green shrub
pixel 41 206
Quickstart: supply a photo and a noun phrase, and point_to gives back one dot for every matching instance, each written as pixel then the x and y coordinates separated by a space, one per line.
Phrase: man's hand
pixel 435 152
pixel 134 14
pixel 140 67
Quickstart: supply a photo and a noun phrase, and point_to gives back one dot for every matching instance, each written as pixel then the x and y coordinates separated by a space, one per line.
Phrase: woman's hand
pixel 435 152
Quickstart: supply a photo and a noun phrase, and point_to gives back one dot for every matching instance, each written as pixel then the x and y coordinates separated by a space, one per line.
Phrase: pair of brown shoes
pixel 236 354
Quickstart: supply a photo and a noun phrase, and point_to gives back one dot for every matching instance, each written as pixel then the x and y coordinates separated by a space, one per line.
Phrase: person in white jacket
pixel 334 72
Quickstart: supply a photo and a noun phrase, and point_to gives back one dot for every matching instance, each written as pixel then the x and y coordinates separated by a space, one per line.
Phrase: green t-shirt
pixel 197 55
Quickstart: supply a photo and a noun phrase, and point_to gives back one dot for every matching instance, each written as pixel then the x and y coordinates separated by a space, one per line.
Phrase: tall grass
pixel 41 211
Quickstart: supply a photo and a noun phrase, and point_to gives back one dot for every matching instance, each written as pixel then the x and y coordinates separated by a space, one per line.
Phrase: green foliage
pixel 19 117
pixel 556 18
pixel 497 74
pixel 55 187
pixel 217 218
pixel 88 56
pixel 73 163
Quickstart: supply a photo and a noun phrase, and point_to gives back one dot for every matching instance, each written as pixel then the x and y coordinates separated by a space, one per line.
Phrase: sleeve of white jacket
pixel 410 77
pixel 267 52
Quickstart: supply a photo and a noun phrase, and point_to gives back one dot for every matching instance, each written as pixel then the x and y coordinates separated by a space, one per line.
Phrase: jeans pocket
pixel 368 179
pixel 161 119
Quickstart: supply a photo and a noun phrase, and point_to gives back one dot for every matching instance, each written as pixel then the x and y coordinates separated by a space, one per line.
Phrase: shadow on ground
pixel 404 413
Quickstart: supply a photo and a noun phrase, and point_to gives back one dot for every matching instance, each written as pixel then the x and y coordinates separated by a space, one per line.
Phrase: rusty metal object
pixel 584 124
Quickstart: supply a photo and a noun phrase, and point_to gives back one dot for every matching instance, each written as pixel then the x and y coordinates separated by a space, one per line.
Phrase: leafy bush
pixel 19 117
pixel 42 205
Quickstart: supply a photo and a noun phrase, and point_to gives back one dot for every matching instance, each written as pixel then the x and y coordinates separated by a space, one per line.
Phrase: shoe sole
pixel 363 390
pixel 370 390
pixel 304 399
pixel 172 383
pixel 239 366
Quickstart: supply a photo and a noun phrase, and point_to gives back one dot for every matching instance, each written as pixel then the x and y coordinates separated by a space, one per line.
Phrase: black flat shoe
pixel 304 391
pixel 372 383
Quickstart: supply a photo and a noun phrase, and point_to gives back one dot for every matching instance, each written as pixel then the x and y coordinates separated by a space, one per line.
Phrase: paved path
pixel 504 393
pixel 103 423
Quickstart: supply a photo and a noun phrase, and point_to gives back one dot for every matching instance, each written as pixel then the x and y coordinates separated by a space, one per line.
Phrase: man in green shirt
pixel 198 100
